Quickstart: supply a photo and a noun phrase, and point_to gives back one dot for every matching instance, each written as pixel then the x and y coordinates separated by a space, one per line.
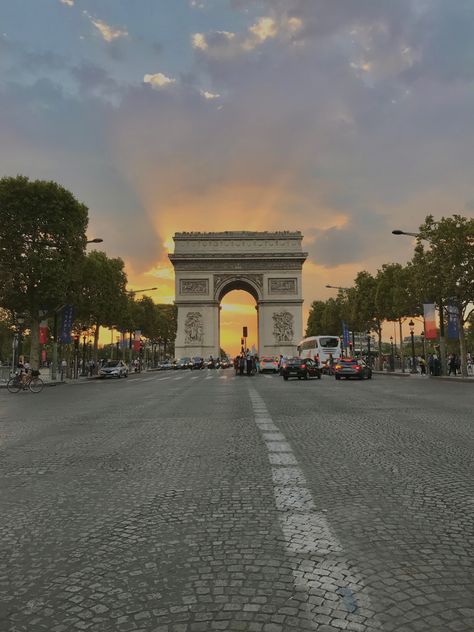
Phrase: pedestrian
pixel 241 364
pixel 249 364
pixel 257 364
pixel 422 363
pixel 452 364
pixel 431 364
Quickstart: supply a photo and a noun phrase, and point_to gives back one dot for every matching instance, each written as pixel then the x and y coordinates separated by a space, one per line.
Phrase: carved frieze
pixel 232 264
pixel 283 327
pixel 194 286
pixel 193 328
pixel 283 286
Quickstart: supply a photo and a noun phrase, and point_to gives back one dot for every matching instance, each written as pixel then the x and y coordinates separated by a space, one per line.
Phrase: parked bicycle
pixel 31 382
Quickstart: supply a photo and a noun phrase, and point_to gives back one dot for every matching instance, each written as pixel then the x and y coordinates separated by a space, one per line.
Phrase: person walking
pixel 452 364
pixel 422 363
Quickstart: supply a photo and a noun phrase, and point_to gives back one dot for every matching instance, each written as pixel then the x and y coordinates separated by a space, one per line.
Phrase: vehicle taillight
pixel 338 366
pixel 357 367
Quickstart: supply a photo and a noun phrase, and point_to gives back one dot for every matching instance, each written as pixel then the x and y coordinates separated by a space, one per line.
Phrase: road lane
pixel 148 503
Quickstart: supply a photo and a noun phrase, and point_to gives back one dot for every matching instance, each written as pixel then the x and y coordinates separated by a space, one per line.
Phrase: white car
pixel 268 364
pixel 114 368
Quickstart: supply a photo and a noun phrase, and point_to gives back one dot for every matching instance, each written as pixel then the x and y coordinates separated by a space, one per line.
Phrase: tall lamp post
pixel 392 355
pixel 411 324
pixel 84 339
pixel 369 358
pixel 442 342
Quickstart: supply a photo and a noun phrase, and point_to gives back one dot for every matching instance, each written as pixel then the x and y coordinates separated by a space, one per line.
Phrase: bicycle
pixel 33 383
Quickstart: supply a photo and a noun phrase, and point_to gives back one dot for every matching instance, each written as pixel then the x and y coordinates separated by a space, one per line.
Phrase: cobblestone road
pixel 197 501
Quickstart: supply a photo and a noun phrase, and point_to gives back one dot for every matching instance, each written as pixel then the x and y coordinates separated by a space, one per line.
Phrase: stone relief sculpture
pixel 282 286
pixel 193 328
pixel 194 286
pixel 283 327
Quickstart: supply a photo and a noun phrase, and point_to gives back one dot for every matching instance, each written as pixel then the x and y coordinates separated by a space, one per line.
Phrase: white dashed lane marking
pixel 317 557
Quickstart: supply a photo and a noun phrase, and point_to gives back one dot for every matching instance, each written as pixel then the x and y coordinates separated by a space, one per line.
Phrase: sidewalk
pixel 418 376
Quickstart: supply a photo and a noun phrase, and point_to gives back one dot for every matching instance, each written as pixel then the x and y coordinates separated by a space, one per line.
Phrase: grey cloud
pixel 366 236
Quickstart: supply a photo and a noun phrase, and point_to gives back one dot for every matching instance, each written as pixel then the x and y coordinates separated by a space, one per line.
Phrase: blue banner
pixel 453 321
pixel 345 335
pixel 66 325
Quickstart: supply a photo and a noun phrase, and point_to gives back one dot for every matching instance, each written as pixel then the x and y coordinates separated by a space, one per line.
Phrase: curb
pixel 464 380
pixel 391 374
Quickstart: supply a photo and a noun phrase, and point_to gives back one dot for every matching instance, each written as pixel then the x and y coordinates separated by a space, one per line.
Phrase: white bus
pixel 320 347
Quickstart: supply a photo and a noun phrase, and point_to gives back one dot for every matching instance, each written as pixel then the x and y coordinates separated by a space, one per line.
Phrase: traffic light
pixel 76 342
pixel 245 332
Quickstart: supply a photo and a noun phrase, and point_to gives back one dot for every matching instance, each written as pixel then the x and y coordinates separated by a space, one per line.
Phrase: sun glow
pixel 238 311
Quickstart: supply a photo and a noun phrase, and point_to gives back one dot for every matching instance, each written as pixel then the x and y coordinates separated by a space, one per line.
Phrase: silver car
pixel 114 368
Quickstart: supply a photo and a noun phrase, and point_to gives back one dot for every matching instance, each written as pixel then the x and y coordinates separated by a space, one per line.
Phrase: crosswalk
pixel 216 375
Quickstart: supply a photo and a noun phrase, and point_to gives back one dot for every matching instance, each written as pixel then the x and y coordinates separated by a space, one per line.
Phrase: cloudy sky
pixel 340 118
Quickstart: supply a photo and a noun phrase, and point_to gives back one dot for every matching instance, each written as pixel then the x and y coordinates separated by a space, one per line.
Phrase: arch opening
pixel 237 309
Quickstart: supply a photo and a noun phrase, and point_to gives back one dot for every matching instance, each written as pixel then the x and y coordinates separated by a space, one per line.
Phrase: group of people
pixel 246 364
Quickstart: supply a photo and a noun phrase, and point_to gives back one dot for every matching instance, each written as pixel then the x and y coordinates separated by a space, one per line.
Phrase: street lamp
pixel 392 356
pixel 442 344
pixel 411 324
pixel 147 289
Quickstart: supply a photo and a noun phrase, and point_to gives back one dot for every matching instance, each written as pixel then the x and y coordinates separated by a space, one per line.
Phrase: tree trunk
pixel 462 348
pixel 34 343
pixel 402 352
pixel 379 344
pixel 96 347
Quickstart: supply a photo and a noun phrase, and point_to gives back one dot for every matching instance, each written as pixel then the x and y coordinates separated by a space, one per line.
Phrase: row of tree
pixel 441 271
pixel 44 266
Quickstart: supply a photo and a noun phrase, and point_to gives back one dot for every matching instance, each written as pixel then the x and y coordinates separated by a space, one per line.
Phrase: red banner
pixel 137 340
pixel 43 332
pixel 430 321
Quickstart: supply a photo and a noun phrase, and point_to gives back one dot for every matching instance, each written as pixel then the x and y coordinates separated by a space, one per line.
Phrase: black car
pixel 352 368
pixel 197 363
pixel 302 368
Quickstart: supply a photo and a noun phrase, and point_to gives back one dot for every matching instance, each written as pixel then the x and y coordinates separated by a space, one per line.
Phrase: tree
pixel 103 298
pixel 42 243
pixel 445 268
pixel 364 308
pixel 314 325
pixel 396 297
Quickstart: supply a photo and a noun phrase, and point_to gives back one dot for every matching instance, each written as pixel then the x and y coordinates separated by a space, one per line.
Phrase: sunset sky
pixel 340 118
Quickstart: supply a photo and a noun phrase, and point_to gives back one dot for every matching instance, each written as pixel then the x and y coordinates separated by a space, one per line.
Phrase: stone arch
pixel 225 283
pixel 267 265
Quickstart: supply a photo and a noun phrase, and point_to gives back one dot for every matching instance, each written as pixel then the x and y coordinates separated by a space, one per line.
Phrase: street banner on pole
pixel 345 335
pixel 43 332
pixel 453 321
pixel 136 340
pixel 66 325
pixel 429 312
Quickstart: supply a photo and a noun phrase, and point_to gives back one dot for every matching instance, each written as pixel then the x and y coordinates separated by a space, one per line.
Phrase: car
pixel 268 364
pixel 114 368
pixel 302 368
pixel 197 363
pixel 183 363
pixel 348 368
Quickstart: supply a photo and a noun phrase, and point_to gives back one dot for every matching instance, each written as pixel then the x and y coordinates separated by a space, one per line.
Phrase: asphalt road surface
pixel 200 501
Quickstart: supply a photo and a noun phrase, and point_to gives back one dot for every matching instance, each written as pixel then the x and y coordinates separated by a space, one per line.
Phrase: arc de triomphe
pixel 209 265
